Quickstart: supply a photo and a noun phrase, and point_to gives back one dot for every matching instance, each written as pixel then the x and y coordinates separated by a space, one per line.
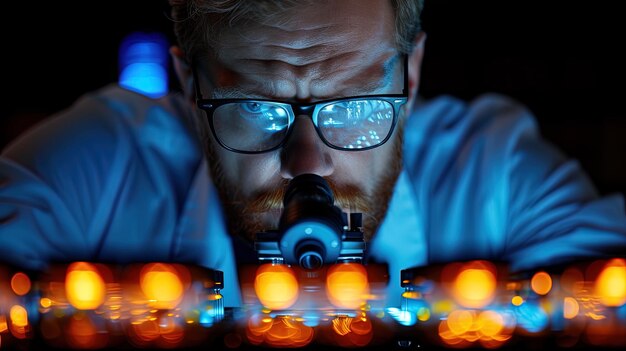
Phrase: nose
pixel 304 152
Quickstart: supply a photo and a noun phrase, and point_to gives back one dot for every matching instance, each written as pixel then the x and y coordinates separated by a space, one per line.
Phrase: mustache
pixel 348 196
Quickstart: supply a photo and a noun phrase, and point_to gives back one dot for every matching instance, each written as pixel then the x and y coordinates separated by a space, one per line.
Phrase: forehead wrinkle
pixel 264 87
pixel 330 78
pixel 298 48
pixel 294 57
pixel 281 60
pixel 303 39
pixel 298 27
pixel 269 35
pixel 321 18
pixel 255 35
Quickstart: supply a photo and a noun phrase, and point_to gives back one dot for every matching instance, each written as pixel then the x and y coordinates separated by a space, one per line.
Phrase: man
pixel 119 177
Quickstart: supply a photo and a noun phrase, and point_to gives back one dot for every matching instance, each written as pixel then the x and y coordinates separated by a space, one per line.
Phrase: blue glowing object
pixel 311 319
pixel 209 316
pixel 143 62
pixel 414 305
pixel 406 318
pixel 621 313
pixel 531 317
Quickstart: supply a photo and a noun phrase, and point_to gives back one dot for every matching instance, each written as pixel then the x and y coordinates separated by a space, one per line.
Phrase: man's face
pixel 330 50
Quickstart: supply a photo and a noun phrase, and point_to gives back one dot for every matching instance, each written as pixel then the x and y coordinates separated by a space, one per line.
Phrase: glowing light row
pixel 477 302
pixel 463 304
pixel 277 286
pixel 86 305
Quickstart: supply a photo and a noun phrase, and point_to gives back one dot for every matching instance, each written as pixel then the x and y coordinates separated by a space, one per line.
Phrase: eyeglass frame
pixel 210 105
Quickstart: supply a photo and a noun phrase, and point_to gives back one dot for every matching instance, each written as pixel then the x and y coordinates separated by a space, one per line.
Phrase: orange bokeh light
pixel 490 323
pixel 475 285
pixel 541 283
pixel 276 286
pixel 610 286
pixel 162 285
pixel 20 283
pixel 84 286
pixel 19 316
pixel 570 308
pixel 3 324
pixel 460 321
pixel 463 328
pixel 347 285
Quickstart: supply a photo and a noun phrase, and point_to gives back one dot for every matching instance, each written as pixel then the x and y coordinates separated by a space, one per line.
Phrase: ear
pixel 415 66
pixel 183 72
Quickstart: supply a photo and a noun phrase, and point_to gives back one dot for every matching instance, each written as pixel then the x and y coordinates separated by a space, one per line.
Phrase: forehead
pixel 318 50
pixel 313 23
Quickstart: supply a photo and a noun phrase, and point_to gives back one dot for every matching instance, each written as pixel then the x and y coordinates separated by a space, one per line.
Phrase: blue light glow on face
pixel 143 64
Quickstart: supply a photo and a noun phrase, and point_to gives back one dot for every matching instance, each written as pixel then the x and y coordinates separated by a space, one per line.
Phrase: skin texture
pixel 330 50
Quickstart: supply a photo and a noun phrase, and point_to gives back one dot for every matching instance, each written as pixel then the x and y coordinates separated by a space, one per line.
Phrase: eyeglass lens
pixel 255 126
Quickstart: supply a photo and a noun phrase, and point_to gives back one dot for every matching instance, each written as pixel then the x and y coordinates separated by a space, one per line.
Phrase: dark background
pixel 560 58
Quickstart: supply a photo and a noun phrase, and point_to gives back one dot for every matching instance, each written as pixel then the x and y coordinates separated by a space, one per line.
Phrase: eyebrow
pixel 370 88
pixel 235 93
pixel 374 87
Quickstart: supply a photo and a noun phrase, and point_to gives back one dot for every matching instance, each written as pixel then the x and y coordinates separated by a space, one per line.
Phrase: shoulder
pixel 452 122
pixel 448 139
pixel 101 125
pixel 447 113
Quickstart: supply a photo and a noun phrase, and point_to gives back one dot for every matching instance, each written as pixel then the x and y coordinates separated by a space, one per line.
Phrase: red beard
pixel 261 211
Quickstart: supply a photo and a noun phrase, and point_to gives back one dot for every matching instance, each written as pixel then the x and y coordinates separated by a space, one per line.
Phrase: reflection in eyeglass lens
pixel 356 124
pixel 251 125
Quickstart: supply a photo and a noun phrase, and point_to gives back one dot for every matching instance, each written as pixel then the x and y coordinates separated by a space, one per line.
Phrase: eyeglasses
pixel 253 126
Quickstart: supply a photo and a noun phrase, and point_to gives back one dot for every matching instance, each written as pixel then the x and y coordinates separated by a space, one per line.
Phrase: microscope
pixel 312 231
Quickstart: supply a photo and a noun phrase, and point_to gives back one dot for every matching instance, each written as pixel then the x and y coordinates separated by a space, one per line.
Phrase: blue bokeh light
pixel 143 62
pixel 531 317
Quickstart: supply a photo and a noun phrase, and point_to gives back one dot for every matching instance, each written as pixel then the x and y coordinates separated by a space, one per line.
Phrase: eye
pixel 254 107
pixel 264 115
pixel 258 111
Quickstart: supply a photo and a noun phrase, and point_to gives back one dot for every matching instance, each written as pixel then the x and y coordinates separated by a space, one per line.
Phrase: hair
pixel 197 23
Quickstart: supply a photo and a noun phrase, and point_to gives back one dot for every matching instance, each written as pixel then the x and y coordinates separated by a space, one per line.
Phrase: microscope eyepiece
pixel 311 230
pixel 309 198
